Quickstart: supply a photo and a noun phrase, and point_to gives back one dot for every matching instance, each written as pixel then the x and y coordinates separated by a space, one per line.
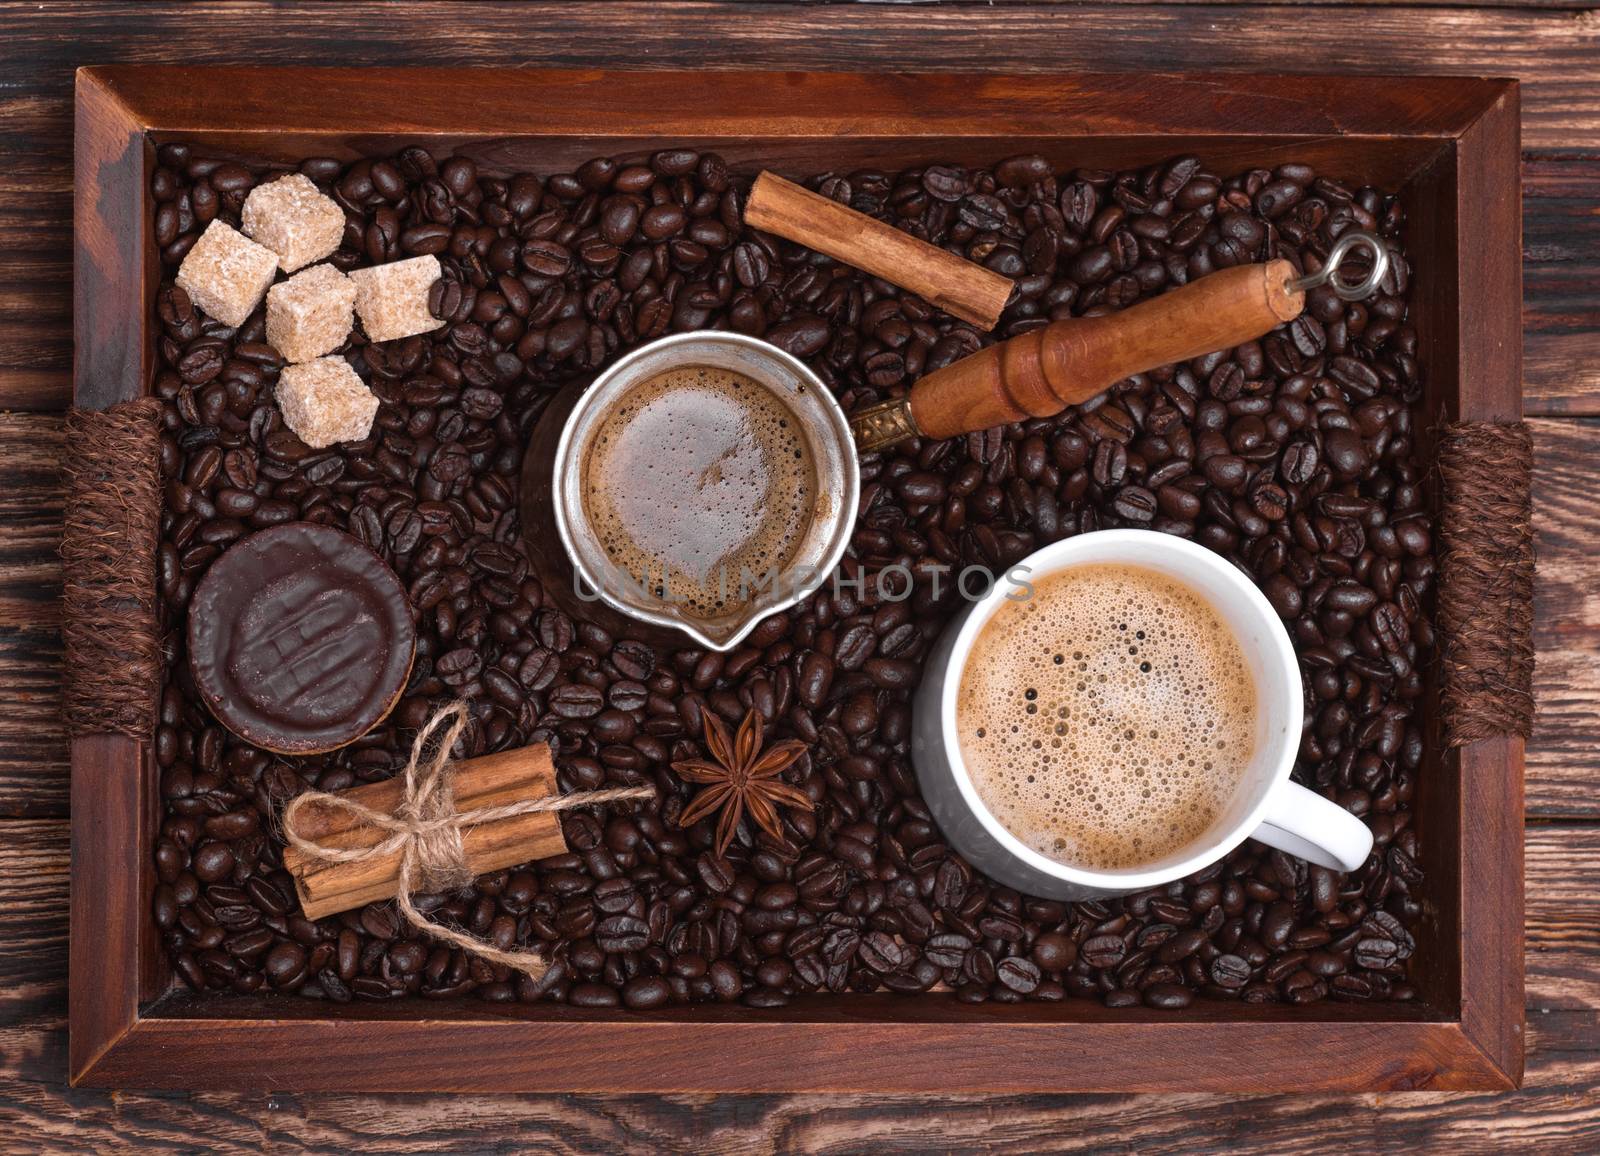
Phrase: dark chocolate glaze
pixel 300 638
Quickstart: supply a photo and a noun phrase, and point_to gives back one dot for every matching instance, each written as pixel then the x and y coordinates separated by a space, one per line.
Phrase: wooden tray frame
pixel 1451 143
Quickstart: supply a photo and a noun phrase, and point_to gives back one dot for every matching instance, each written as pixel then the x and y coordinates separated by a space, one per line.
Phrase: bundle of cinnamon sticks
pixel 326 888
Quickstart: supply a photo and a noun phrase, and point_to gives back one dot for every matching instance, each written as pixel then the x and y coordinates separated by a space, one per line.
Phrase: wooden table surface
pixel 1552 45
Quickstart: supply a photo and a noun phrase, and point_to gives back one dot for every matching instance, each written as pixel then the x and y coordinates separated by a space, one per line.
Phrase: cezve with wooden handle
pixel 1043 371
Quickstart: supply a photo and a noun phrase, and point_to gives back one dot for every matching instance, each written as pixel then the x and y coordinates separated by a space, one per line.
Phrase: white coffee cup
pixel 1266 805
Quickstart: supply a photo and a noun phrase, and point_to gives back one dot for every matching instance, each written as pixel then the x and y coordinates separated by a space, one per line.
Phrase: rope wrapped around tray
pixel 1486 568
pixel 108 551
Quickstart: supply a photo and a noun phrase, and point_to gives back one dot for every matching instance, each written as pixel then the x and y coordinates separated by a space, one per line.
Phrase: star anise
pixel 741 777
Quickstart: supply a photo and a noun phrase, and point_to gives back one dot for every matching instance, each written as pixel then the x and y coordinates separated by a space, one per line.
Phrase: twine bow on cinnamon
pixel 427 830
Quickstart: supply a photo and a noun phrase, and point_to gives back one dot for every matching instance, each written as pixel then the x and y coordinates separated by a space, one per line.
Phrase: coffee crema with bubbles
pixel 1106 720
pixel 697 480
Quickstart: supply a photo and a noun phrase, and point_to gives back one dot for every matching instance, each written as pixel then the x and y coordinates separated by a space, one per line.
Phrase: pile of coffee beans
pixel 1293 456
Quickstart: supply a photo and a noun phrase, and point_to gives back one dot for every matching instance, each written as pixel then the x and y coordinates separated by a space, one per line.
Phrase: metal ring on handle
pixel 1328 274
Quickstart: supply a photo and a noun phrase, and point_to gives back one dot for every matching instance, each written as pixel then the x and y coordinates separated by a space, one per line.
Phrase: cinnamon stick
pixel 493 780
pixel 959 287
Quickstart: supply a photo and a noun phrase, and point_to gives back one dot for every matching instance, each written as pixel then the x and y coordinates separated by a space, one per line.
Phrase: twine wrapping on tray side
pixel 1485 580
pixel 108 552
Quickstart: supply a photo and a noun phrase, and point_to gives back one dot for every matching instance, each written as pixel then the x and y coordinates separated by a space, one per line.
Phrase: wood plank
pixel 1553 51
pixel 30 519
pixel 1559 1106
pixel 115 267
pixel 1491 286
pixel 115 970
pixel 33 919
pixel 1557 1110
pixel 1563 759
pixel 1565 5
pixel 1549 49
pixel 33 747
pixel 992 1051
pixel 33 750
pixel 1563 871
pixel 1561 284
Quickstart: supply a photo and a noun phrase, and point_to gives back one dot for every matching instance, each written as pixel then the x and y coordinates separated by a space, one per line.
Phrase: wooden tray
pixel 1451 144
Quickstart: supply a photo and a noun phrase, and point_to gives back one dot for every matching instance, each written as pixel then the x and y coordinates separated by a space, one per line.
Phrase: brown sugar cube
pixel 294 220
pixel 324 402
pixel 311 313
pixel 392 299
pixel 226 273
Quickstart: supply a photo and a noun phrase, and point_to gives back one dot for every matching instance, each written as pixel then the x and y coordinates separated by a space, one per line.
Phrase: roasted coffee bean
pixel 1376 954
pixel 1054 952
pixel 881 953
pixel 213 862
pixel 1135 504
pixel 646 992
pixel 950 884
pixel 1343 451
pixel 1103 951
pixel 947 950
pixel 855 646
pixel 285 965
pixel 593 995
pixel 1020 975
pixel 816 676
pixel 577 701
pixel 622 933
pixel 1167 996
pixel 1229 971
pixel 634 660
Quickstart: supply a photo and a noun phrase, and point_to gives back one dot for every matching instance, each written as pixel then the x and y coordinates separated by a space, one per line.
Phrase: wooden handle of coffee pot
pixel 1043 371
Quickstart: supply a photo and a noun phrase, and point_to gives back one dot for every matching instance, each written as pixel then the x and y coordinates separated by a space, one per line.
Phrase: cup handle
pixel 1305 824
